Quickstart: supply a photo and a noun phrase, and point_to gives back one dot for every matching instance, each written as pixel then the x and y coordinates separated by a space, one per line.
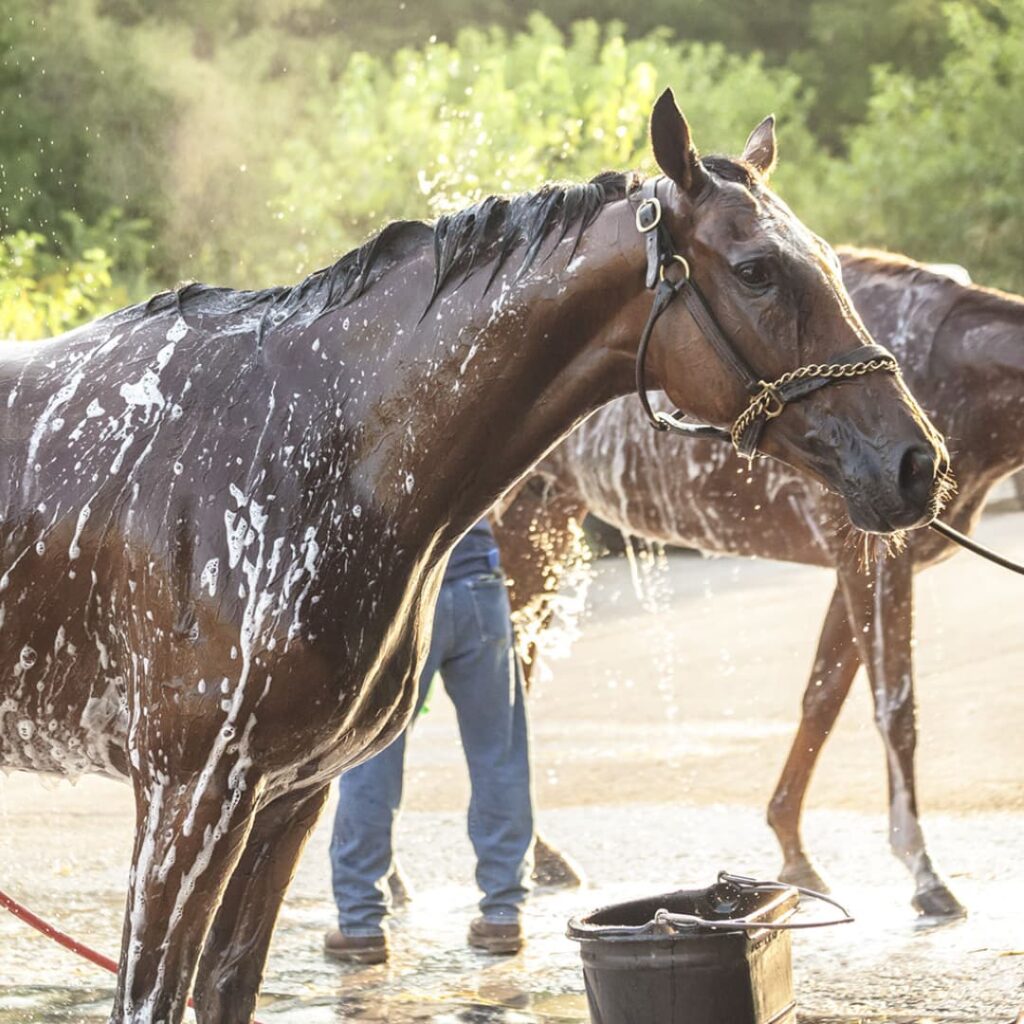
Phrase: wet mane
pixel 486 233
pixel 731 170
pixel 495 227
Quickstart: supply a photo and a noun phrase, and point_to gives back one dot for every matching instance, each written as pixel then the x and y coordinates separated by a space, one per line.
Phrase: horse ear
pixel 760 150
pixel 673 150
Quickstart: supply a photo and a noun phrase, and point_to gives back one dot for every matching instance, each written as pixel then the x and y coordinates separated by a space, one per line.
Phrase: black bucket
pixel 720 955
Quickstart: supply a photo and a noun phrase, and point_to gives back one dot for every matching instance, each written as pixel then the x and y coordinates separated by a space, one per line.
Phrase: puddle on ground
pixel 434 978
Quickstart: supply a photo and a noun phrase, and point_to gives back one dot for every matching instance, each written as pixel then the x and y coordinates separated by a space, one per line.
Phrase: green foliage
pixel 844 41
pixel 936 170
pixel 438 127
pixel 248 141
pixel 43 294
pixel 81 124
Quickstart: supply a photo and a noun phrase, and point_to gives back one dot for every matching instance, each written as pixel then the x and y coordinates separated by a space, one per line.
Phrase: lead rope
pixel 22 912
pixel 974 547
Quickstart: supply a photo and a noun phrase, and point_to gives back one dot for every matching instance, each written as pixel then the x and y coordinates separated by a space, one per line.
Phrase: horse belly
pixel 767 512
pixel 69 740
pixel 62 696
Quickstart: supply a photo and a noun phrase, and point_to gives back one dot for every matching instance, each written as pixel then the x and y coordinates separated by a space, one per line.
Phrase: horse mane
pixel 322 291
pixel 486 233
pixel 731 170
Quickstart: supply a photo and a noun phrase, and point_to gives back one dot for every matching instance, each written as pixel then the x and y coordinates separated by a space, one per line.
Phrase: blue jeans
pixel 471 646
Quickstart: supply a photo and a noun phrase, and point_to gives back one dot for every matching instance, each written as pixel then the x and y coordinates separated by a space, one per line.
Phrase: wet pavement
pixel 656 747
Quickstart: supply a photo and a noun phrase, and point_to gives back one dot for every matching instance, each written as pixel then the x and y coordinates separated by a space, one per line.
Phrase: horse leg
pixel 881 608
pixel 835 665
pixel 538 546
pixel 190 831
pixel 398 888
pixel 553 869
pixel 231 967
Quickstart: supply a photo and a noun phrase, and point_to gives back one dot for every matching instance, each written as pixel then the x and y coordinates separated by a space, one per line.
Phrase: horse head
pixel 770 292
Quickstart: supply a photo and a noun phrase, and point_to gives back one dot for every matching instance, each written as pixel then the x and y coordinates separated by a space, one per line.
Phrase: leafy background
pixel 247 142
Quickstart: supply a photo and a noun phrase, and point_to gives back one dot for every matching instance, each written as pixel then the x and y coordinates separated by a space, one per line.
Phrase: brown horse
pixel 225 514
pixel 955 343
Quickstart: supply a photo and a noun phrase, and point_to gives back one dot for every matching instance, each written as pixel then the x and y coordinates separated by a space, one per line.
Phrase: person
pixel 472 648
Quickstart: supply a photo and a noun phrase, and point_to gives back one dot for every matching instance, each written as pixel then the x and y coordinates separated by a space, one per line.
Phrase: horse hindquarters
pixel 231 968
pixel 537 548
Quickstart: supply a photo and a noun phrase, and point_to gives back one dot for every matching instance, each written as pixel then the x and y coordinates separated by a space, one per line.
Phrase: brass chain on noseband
pixel 769 403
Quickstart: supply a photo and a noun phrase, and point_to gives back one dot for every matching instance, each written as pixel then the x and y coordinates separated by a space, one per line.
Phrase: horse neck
pixel 510 370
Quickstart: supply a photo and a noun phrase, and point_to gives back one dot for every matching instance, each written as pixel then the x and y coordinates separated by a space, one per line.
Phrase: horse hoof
pixel 804 874
pixel 938 905
pixel 400 895
pixel 553 870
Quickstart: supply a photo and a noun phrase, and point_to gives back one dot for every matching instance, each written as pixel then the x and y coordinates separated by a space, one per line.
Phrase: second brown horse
pixel 955 343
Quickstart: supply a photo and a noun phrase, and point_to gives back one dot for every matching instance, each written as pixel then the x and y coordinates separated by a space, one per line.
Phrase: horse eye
pixel 754 274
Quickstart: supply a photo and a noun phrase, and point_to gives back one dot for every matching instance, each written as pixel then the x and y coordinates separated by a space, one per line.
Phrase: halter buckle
pixel 653 204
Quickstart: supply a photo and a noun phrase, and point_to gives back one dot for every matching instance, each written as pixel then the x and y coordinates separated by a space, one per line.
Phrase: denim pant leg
pixel 369 799
pixel 482 678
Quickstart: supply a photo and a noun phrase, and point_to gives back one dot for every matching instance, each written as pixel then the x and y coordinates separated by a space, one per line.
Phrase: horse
pixel 226 513
pixel 956 343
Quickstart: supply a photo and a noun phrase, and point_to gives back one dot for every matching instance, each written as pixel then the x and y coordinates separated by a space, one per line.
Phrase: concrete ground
pixel 657 744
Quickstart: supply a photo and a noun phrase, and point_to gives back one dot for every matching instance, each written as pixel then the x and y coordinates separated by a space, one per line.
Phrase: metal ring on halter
pixel 653 203
pixel 771 402
pixel 675 258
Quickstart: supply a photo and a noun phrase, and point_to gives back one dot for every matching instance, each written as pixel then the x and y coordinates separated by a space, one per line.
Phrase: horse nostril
pixel 917 472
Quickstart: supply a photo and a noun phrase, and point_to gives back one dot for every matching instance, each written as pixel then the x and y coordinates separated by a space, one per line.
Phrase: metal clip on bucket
pixel 720 955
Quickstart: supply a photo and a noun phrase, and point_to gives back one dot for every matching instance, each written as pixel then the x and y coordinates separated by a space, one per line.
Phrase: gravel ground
pixel 657 744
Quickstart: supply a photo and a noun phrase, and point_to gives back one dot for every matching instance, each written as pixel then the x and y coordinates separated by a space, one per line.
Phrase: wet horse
pixel 962 353
pixel 226 514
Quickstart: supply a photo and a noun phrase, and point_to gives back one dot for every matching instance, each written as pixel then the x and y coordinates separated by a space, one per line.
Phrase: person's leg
pixel 369 799
pixel 483 679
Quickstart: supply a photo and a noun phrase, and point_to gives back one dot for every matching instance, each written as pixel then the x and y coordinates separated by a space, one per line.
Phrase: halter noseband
pixel 767 398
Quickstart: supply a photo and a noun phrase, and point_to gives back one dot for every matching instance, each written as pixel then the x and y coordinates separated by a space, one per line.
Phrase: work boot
pixel 356 949
pixel 495 936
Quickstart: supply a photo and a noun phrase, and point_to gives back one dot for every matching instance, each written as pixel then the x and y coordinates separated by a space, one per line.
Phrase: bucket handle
pixel 666 919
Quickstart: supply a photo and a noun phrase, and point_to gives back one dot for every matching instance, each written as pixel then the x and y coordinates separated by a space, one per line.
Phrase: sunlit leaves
pixel 42 295
pixel 937 169
pixel 436 128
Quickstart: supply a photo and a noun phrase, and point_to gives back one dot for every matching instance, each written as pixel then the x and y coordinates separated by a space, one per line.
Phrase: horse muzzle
pixel 899 489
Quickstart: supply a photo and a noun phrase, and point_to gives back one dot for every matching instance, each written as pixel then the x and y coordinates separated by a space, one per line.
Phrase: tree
pixel 436 128
pixel 936 170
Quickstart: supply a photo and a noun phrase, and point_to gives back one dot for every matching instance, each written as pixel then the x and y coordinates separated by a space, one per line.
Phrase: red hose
pixel 26 915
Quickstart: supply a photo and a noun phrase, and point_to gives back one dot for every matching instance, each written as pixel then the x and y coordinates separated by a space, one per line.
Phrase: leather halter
pixel 768 398
pixel 668 274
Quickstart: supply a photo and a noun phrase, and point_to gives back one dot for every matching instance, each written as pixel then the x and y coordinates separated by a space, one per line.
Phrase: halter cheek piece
pixel 668 273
